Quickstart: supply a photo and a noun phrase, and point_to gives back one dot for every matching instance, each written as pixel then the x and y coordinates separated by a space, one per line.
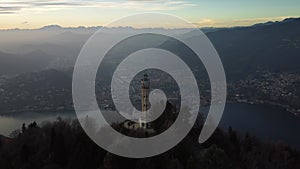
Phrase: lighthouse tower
pixel 145 100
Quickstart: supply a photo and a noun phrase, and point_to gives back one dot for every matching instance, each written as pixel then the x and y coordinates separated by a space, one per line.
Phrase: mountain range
pixel 273 47
pixel 270 46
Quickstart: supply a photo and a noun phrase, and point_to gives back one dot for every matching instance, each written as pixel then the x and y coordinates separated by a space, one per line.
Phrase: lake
pixel 14 122
pixel 267 122
pixel 263 121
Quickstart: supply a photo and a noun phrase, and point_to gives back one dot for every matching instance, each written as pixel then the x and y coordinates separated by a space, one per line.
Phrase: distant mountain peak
pixel 263 24
pixel 287 20
pixel 290 20
pixel 51 27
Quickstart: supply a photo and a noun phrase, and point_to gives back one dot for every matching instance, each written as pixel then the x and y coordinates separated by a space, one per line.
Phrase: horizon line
pixel 100 26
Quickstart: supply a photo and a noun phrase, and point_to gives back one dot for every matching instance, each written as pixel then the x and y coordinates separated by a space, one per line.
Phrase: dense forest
pixel 63 144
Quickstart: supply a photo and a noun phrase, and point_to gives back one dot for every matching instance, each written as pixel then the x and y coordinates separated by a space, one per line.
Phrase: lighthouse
pixel 145 100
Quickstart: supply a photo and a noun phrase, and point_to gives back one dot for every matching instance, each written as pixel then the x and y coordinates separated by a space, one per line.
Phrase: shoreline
pixel 289 109
pixel 260 102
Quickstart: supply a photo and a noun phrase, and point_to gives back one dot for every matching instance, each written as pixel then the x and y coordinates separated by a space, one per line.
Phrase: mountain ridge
pixel 59 27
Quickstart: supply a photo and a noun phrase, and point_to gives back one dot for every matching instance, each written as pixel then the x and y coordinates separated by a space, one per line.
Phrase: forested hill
pixel 64 145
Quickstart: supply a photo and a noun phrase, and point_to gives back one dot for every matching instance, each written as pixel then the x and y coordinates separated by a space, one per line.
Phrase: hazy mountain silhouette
pixel 270 46
pixel 34 61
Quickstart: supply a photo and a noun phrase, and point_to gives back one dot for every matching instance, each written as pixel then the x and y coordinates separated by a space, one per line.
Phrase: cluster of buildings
pixel 28 94
pixel 281 89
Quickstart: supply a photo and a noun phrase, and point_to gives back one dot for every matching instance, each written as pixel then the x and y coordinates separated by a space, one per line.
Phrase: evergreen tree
pixel 25 152
pixel 214 158
pixel 24 128
pixel 59 149
pixel 52 138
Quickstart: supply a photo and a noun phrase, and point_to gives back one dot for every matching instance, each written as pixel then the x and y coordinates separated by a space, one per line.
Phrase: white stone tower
pixel 145 100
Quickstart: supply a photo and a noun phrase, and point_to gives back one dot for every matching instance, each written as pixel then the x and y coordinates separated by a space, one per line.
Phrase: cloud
pixel 143 0
pixel 8 9
pixel 206 23
pixel 256 20
pixel 13 6
pixel 6 12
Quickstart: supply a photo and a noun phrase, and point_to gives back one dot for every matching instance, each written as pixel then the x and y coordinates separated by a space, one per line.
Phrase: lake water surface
pixel 264 121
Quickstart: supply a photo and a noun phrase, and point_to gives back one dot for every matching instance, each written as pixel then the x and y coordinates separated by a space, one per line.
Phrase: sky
pixel 30 14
